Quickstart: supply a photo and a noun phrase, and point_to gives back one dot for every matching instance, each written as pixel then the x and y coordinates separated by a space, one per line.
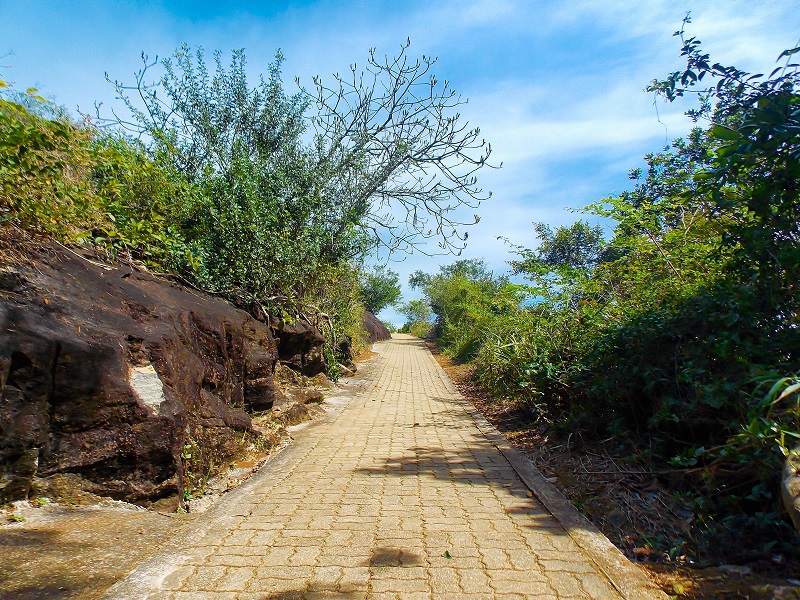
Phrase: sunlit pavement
pixel 399 495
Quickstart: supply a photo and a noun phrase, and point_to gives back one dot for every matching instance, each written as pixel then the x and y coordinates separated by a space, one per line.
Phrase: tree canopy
pixel 380 288
pixel 292 184
pixel 244 189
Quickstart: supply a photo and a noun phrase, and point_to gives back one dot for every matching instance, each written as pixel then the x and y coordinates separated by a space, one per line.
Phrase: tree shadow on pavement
pixel 480 465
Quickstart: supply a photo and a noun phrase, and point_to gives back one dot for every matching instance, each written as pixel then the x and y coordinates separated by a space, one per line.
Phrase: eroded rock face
pixel 375 328
pixel 300 347
pixel 108 373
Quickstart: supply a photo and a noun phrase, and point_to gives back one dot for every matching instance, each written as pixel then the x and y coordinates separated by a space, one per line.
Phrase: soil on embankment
pixel 628 505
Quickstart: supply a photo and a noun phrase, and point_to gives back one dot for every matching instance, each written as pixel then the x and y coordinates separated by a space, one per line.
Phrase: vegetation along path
pixel 404 493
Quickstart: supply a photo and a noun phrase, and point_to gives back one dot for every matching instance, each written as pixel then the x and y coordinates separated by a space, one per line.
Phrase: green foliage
pixel 145 203
pixel 278 206
pixel 380 288
pixel 81 186
pixel 528 357
pixel 420 329
pixel 237 188
pixel 333 304
pixel 467 299
pixel 256 224
pixel 669 334
pixel 418 318
pixel 578 247
pixel 754 173
pixel 44 172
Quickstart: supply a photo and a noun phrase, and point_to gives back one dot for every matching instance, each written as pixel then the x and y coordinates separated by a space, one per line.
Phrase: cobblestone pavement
pixel 400 495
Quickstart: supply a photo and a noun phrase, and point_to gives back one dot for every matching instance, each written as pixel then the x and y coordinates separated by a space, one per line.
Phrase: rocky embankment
pixel 118 383
pixel 376 330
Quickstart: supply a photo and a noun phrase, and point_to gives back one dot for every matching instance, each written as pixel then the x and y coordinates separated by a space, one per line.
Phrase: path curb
pixel 626 577
pixel 140 582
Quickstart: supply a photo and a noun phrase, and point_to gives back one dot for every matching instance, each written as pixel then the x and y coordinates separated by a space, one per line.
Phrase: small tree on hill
pixel 380 288
pixel 389 163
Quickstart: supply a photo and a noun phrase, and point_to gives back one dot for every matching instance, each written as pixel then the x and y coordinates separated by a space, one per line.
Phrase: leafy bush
pixel 45 166
pixel 418 315
pixel 667 335
pixel 419 329
pixel 380 288
pixel 145 203
pixel 466 298
pixel 237 188
pixel 338 315
pixel 81 186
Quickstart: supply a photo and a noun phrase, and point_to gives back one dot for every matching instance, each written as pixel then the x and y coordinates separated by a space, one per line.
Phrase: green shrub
pixel 45 166
pixel 668 335
pixel 420 329
pixel 146 204
pixel 72 182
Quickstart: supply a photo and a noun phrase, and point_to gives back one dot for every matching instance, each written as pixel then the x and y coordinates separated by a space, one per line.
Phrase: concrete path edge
pixel 627 578
pixel 139 582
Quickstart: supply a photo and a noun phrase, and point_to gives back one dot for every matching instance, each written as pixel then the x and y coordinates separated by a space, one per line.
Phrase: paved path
pixel 400 495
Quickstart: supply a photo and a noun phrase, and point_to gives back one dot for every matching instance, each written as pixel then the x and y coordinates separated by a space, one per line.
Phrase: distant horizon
pixel 557 90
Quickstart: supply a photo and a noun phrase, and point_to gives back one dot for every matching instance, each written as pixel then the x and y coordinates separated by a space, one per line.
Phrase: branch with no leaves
pixel 390 146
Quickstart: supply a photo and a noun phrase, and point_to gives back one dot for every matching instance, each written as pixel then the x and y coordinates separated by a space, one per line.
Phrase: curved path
pixel 404 492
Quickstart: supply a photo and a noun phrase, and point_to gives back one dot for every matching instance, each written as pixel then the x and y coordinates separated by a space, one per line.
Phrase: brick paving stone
pixel 235 579
pixel 405 587
pixel 567 584
pixel 398 495
pixel 596 586
pixel 203 579
pixel 234 560
pixel 305 556
pixel 174 580
pixel 277 557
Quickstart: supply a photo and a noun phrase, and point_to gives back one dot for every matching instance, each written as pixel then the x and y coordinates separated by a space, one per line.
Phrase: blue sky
pixel 556 87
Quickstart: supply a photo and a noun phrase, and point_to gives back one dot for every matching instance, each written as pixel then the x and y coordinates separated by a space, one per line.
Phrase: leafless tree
pixel 391 148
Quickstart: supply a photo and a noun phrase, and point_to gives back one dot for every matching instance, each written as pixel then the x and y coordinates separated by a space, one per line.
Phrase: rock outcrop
pixel 300 347
pixel 375 328
pixel 110 374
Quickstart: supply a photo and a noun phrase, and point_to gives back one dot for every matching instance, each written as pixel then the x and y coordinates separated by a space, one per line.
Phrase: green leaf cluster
pixel 466 300
pixel 70 181
pixel 44 171
pixel 380 288
pixel 418 318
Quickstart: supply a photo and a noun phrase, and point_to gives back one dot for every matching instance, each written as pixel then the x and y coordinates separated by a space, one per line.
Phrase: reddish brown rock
pixel 108 373
pixel 376 330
